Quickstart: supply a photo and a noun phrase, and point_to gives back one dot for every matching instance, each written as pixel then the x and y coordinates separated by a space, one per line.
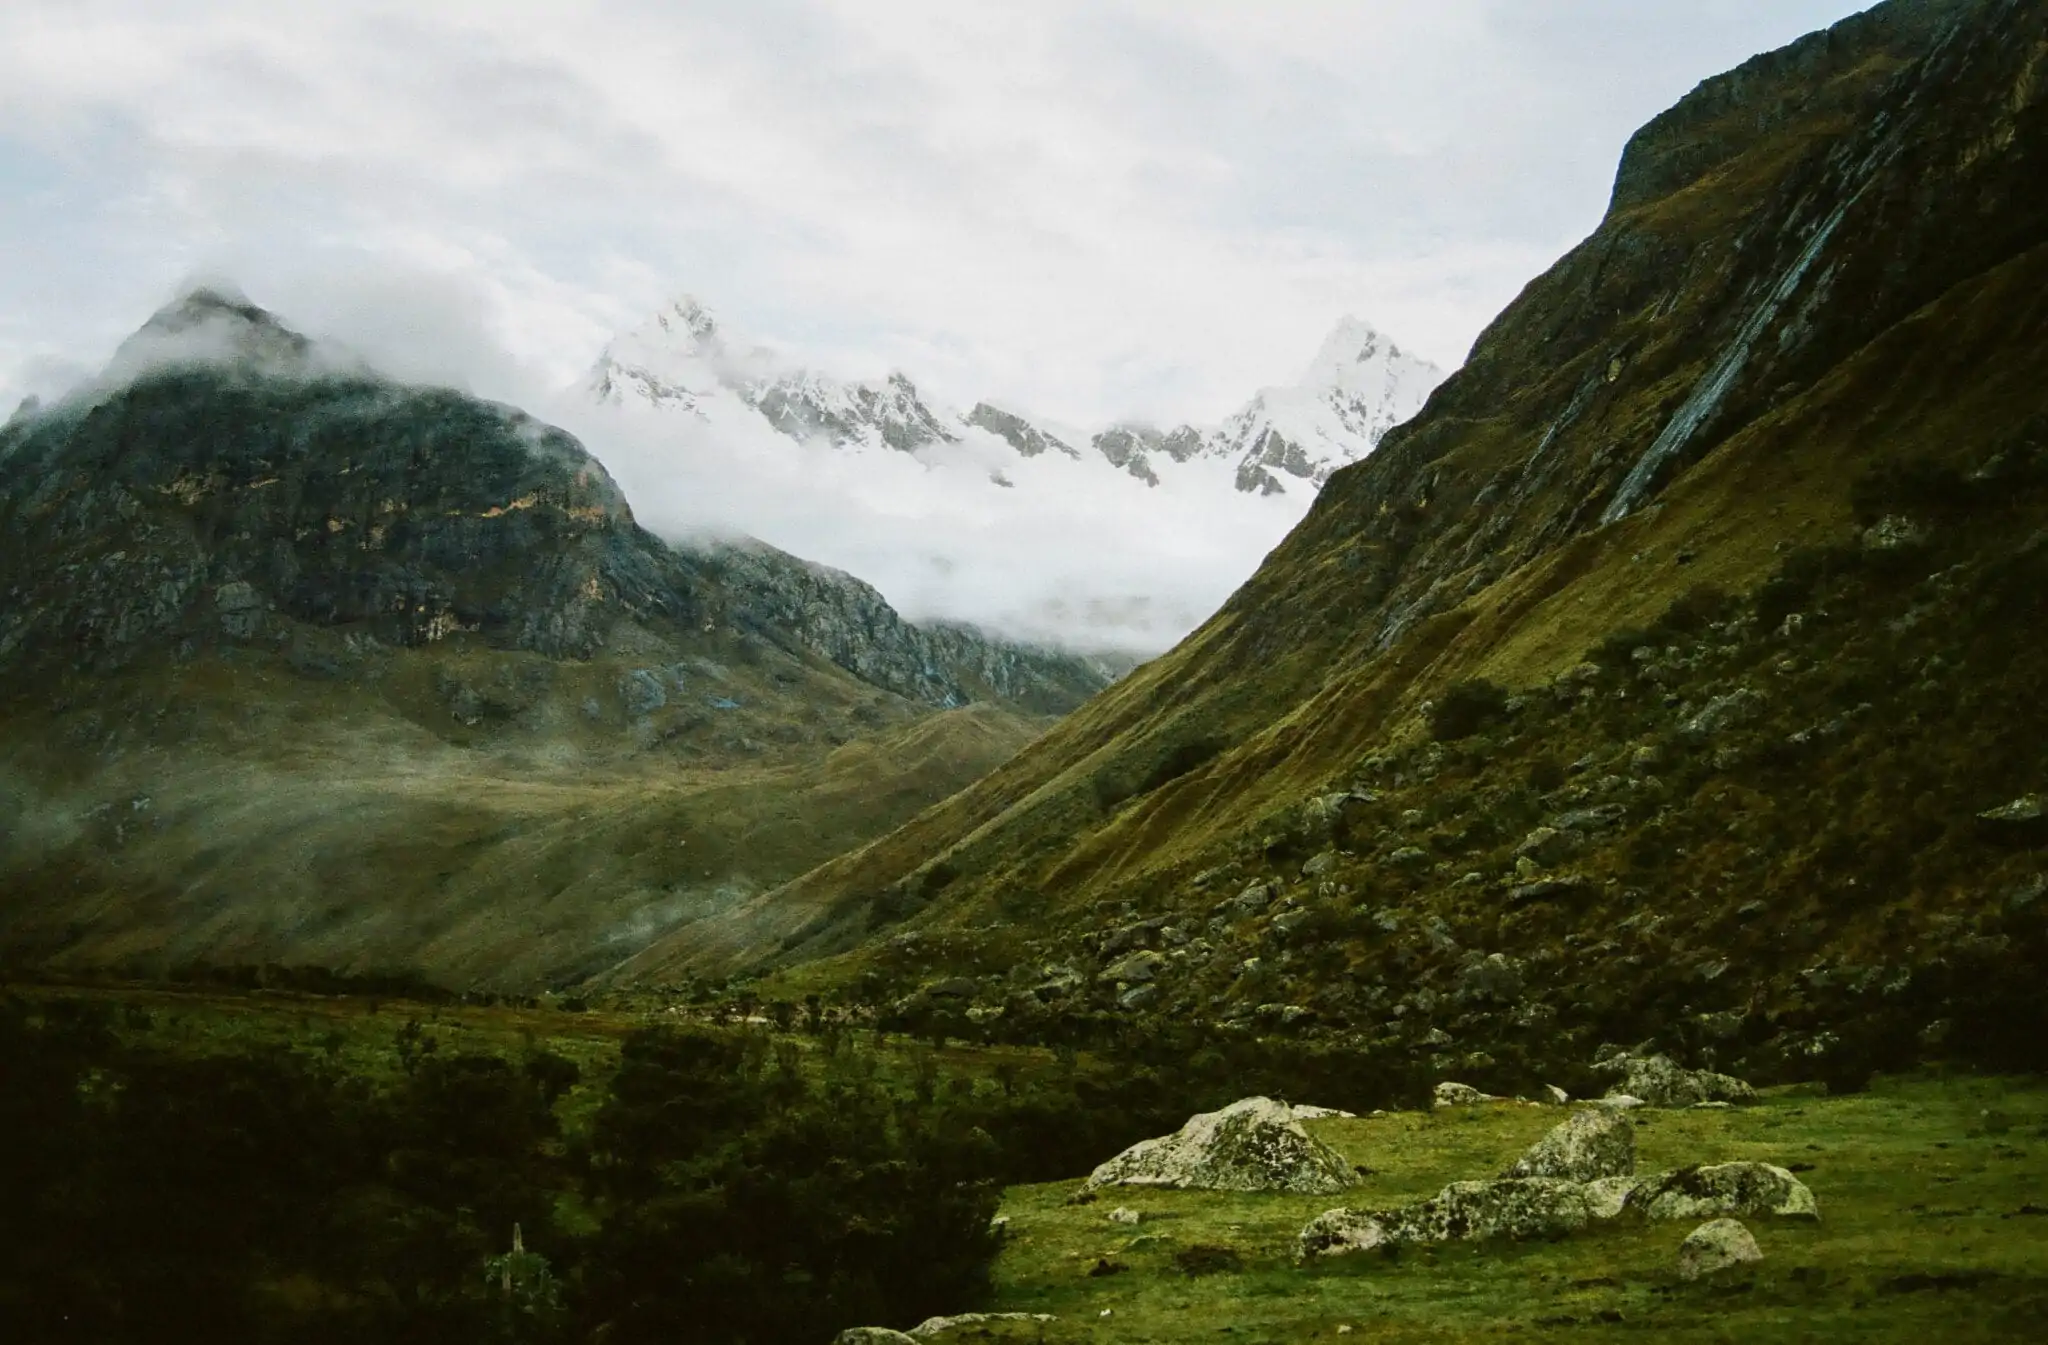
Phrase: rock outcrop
pixel 1595 1143
pixel 1661 1082
pixel 1717 1246
pixel 1252 1145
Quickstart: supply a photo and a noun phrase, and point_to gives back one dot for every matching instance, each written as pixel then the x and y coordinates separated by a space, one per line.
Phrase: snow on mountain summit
pixel 1359 385
pixel 682 359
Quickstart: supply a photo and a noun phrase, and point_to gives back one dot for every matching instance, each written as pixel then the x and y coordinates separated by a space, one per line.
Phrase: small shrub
pixel 1207 1259
pixel 1465 708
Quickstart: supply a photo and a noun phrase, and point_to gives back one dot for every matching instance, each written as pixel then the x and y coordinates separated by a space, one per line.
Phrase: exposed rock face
pixel 1661 1082
pixel 1515 1209
pixel 1716 1246
pixel 1752 1189
pixel 1017 432
pixel 1595 1143
pixel 1253 1145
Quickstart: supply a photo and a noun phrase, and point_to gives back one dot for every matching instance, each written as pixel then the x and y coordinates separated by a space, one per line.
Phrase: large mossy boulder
pixel 1252 1145
pixel 1595 1143
pixel 1724 1189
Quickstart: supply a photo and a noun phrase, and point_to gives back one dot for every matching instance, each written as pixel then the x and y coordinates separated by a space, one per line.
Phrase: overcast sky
pixel 1087 209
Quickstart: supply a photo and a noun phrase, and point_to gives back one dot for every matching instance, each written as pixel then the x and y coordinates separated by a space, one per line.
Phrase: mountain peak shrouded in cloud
pixel 1122 539
pixel 212 323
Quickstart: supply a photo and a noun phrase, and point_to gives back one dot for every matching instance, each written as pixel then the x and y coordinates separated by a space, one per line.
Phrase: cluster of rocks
pixel 1581 1173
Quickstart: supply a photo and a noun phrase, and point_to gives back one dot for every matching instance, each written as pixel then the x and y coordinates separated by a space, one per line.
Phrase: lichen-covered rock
pixel 1252 1145
pixel 1608 1197
pixel 934 1328
pixel 1514 1209
pixel 1304 1112
pixel 1594 1143
pixel 1449 1094
pixel 1661 1081
pixel 1715 1247
pixel 1717 1189
pixel 872 1335
pixel 1342 1233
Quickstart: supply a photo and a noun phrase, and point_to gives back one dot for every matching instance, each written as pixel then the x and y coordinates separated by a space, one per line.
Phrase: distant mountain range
pixel 1360 385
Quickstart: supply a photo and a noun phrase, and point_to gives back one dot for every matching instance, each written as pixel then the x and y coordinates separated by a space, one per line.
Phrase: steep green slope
pixel 1795 371
pixel 300 665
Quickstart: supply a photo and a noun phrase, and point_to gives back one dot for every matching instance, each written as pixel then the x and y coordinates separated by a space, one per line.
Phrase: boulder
pixel 1661 1081
pixel 1303 1112
pixel 1123 1214
pixel 1556 1096
pixel 1594 1143
pixel 1253 1145
pixel 872 1335
pixel 1722 1189
pixel 1608 1197
pixel 932 1328
pixel 1515 1209
pixel 1458 1094
pixel 1715 1247
pixel 1136 969
pixel 1342 1233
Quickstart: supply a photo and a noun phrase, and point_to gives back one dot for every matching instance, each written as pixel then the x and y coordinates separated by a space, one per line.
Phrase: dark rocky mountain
pixel 244 557
pixel 246 485
pixel 1674 674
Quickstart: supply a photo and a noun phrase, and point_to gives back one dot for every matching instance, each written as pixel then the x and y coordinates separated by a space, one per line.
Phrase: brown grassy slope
pixel 231 811
pixel 1473 541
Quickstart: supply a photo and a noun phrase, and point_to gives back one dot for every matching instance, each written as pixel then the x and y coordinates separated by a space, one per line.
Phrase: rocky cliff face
pixel 1596 703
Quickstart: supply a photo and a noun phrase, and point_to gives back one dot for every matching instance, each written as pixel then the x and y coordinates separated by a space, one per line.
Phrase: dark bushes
pixel 1465 708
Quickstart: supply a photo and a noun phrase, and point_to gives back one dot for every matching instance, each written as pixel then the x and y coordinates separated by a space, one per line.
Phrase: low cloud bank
pixel 1074 554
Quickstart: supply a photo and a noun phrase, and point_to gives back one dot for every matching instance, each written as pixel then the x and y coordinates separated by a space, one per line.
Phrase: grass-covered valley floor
pixel 346 1167
pixel 1932 1228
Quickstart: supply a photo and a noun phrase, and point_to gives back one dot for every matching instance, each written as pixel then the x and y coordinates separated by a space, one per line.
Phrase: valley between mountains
pixel 435 906
pixel 1671 672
